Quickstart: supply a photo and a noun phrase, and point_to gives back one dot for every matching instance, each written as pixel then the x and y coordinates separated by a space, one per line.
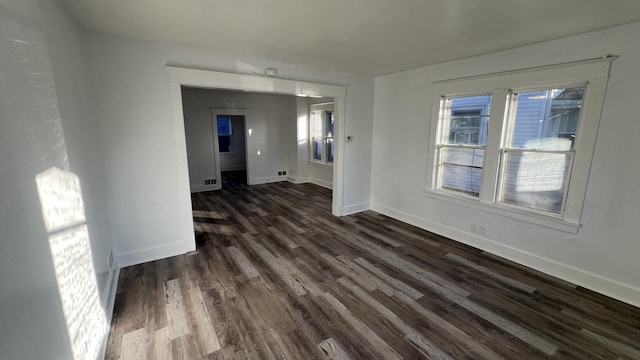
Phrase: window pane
pixel 330 150
pixel 329 126
pixel 536 180
pixel 462 179
pixel 462 170
pixel 547 119
pixel 466 120
pixel 316 148
pixel 224 125
pixel 466 157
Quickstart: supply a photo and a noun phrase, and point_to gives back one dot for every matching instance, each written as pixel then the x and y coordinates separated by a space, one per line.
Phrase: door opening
pixel 230 148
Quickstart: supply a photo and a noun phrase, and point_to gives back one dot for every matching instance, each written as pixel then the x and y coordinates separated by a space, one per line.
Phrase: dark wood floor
pixel 276 276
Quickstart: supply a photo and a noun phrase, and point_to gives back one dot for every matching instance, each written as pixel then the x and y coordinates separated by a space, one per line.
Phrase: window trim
pixel 593 74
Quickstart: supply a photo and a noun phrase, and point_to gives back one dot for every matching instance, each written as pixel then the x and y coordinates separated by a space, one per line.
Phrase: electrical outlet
pixel 279 173
pixel 284 172
pixel 482 230
pixel 474 228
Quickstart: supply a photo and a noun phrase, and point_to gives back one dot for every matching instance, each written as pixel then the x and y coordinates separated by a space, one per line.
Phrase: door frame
pixel 178 77
pixel 215 112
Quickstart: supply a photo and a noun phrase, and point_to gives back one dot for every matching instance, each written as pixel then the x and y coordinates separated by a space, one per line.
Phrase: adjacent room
pixel 355 179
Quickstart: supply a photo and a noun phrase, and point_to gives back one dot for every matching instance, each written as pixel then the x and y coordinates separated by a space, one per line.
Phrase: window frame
pixel 440 145
pixel 592 74
pixel 324 109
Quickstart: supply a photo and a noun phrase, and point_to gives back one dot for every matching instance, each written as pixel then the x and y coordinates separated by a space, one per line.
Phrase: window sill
pixel 315 162
pixel 532 217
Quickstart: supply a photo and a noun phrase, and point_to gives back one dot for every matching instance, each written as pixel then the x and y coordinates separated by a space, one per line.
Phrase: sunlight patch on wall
pixel 303 132
pixel 64 218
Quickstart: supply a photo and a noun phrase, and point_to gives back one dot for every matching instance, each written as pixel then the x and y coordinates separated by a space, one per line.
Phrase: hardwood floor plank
pixel 160 348
pixel 205 333
pixel 408 290
pixel 276 276
pixel 134 345
pixel 332 350
pixel 509 281
pixel 618 347
pixel 242 262
pixel 415 338
pixel 176 310
pixel 374 340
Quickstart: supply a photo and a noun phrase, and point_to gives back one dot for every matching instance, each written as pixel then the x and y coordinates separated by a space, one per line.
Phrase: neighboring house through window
pixel 519 144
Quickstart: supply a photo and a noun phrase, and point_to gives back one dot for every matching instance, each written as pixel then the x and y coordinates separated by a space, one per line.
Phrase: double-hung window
pixel 321 130
pixel 518 144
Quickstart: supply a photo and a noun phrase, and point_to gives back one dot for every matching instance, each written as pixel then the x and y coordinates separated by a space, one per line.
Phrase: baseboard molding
pixel 201 188
pixel 355 208
pixel 110 302
pixel 612 288
pixel 267 180
pixel 323 183
pixel 298 180
pixel 151 254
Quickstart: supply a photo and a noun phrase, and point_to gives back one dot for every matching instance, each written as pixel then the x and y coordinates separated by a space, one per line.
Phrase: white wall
pixel 604 253
pixel 269 117
pixel 45 120
pixel 138 135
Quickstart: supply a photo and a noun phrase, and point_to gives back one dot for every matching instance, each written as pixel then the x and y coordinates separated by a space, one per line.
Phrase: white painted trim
pixel 207 79
pixel 506 210
pixel 110 301
pixel 154 253
pixel 356 208
pixel 324 184
pixel 201 188
pixel 609 287
pixel 267 180
pixel 339 126
pixel 301 180
pixel 218 111
pixel 182 169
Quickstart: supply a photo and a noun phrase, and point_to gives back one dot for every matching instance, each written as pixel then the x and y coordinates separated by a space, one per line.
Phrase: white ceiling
pixel 362 36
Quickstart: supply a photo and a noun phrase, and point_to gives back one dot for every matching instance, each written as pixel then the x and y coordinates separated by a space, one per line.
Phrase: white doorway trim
pixel 179 77
pixel 219 111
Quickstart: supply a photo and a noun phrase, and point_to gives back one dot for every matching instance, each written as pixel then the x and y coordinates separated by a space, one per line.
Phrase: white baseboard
pixel 151 254
pixel 110 301
pixel 267 180
pixel 612 288
pixel 355 208
pixel 301 180
pixel 201 188
pixel 323 183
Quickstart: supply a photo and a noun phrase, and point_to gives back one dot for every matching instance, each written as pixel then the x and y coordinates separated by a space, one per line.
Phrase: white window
pixel 321 130
pixel 518 144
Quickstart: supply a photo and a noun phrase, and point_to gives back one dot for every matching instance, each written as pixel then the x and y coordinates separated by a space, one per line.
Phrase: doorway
pixel 179 77
pixel 230 147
